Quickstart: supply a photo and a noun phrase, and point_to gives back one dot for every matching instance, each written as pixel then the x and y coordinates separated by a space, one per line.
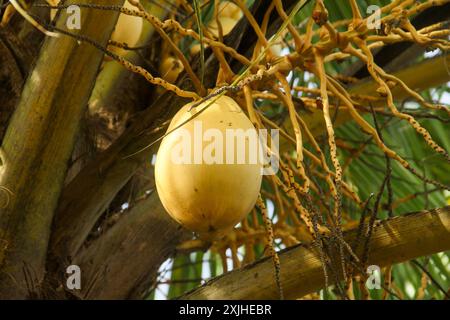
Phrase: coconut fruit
pixel 230 10
pixel 229 14
pixel 226 23
pixel 170 69
pixel 128 30
pixel 196 48
pixel 208 196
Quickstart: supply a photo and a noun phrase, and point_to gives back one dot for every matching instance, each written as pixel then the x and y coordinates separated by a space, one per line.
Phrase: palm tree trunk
pixel 38 145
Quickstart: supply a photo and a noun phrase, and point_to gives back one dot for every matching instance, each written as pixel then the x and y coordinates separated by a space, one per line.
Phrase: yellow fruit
pixel 208 198
pixel 277 49
pixel 196 48
pixel 170 69
pixel 128 30
pixel 230 10
pixel 226 23
pixel 229 14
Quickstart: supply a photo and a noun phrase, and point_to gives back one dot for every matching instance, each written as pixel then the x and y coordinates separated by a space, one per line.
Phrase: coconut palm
pixel 358 91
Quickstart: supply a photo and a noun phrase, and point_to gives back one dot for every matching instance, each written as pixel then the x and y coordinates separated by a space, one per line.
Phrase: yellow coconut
pixel 277 49
pixel 226 23
pixel 196 48
pixel 170 69
pixel 128 30
pixel 230 10
pixel 229 14
pixel 208 195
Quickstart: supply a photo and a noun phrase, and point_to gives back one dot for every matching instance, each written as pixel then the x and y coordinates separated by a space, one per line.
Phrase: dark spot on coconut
pixel 195 189
pixel 211 228
pixel 230 124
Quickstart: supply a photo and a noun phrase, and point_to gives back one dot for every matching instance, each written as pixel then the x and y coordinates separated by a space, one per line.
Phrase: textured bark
pixel 139 243
pixel 37 146
pixel 17 55
pixel 11 81
pixel 393 241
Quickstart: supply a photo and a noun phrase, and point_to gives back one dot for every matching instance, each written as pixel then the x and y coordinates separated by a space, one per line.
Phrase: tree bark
pixel 17 55
pixel 11 82
pixel 37 147
pixel 131 244
pixel 393 241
